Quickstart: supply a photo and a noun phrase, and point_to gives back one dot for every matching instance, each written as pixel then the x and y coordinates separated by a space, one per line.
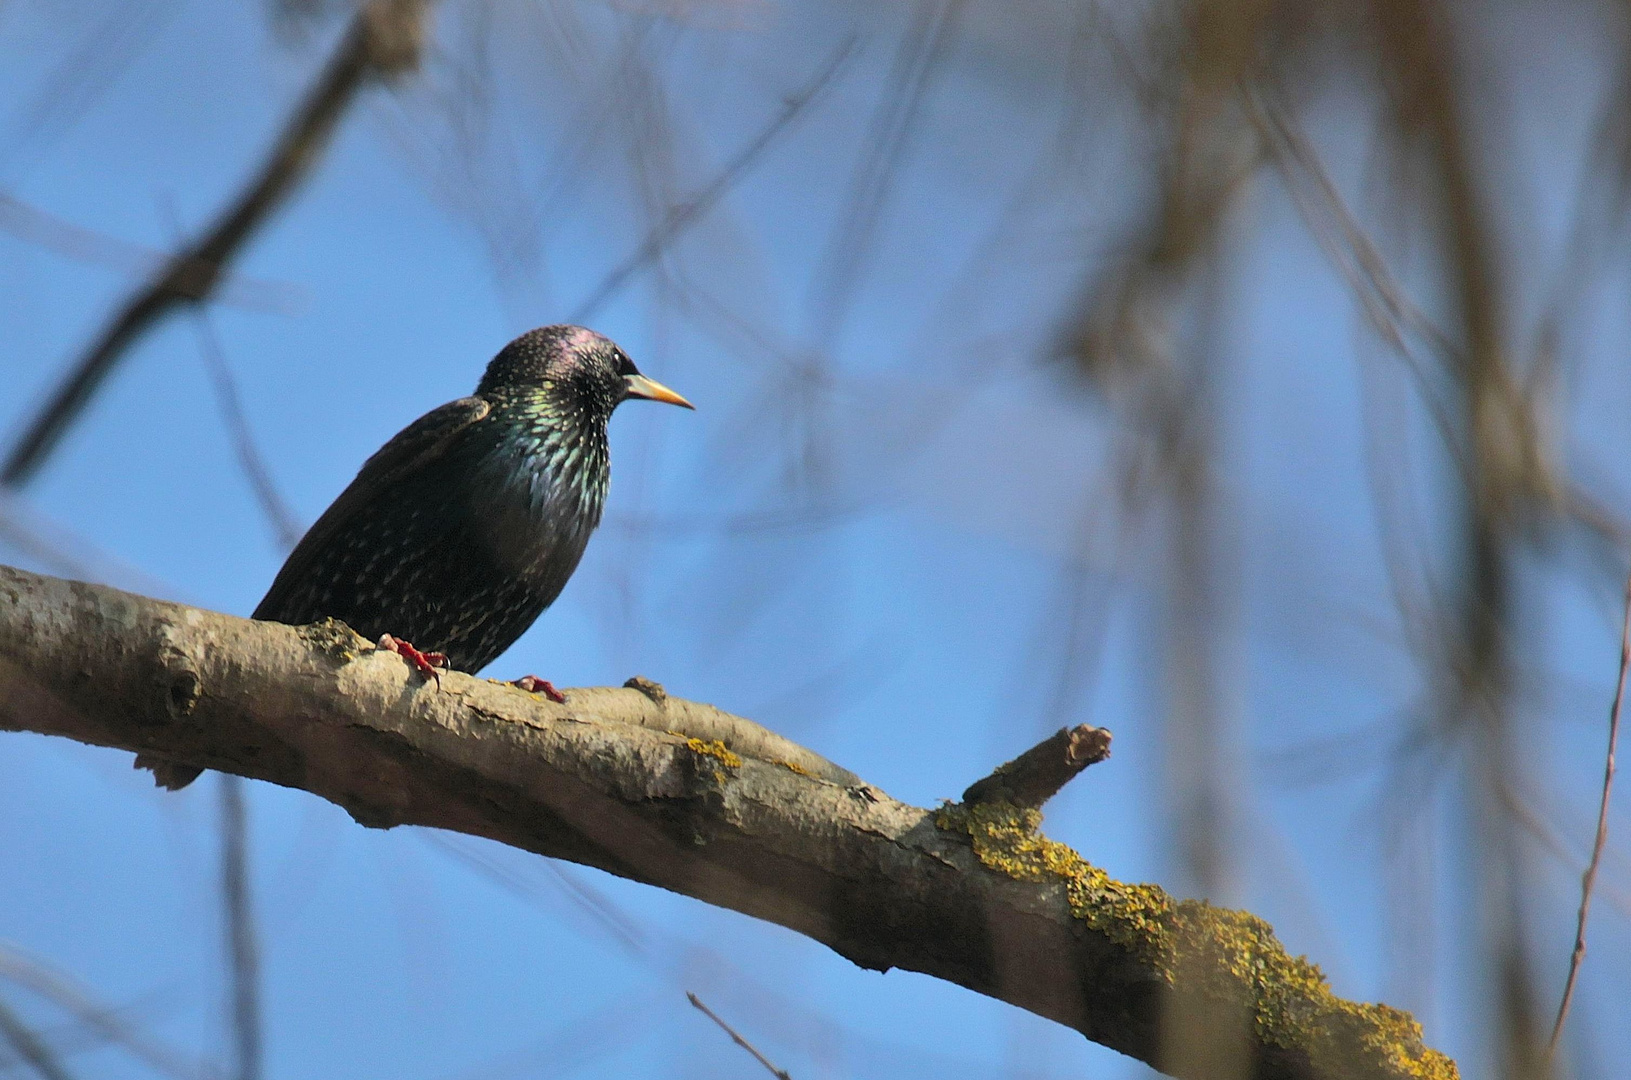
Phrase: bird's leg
pixel 532 684
pixel 428 663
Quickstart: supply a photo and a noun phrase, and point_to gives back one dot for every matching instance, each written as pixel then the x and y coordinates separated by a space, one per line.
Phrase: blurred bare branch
pixel 383 40
pixel 35 226
pixel 541 884
pixel 584 897
pixel 900 100
pixel 90 69
pixel 1395 318
pixel 68 995
pixel 1507 478
pixel 64 551
pixel 687 213
pixel 1541 828
pixel 286 527
pixel 1120 322
pixel 1146 332
pixel 570 1045
pixel 28 1046
pixel 1004 182
pixel 1602 199
pixel 243 945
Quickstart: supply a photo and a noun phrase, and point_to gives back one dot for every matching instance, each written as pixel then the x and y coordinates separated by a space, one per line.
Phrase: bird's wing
pixel 411 449
pixel 416 445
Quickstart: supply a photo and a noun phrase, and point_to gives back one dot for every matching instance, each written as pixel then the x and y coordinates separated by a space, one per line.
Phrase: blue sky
pixel 863 538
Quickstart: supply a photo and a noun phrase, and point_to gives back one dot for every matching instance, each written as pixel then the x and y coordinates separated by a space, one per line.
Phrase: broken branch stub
pixel 1036 776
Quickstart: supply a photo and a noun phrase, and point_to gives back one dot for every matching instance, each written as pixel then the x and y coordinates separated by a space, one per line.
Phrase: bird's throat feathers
pixel 552 392
pixel 554 449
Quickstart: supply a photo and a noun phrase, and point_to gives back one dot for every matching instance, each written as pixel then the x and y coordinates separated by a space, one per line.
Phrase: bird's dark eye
pixel 625 366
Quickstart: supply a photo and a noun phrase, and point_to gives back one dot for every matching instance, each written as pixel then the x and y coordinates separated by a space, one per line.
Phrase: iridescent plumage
pixel 460 531
pixel 463 528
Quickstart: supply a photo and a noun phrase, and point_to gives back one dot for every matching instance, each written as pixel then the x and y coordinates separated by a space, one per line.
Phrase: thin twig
pixel 1387 306
pixel 58 988
pixel 52 544
pixel 32 225
pixel 1368 272
pixel 595 903
pixel 384 38
pixel 780 1074
pixel 1589 878
pixel 31 1048
pixel 286 527
pixel 897 115
pixel 687 213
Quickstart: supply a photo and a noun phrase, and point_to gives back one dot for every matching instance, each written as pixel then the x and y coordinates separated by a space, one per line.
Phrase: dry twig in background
pixel 243 947
pixel 1589 878
pixel 384 39
pixel 285 525
pixel 103 1019
pixel 780 1074
pixel 29 1047
pixel 686 214
pixel 34 226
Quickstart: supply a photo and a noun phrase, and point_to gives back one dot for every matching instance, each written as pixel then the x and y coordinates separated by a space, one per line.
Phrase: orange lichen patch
pixel 713 748
pixel 793 766
pixel 1233 954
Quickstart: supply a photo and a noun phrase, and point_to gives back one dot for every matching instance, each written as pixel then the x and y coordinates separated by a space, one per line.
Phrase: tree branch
pixel 1036 776
pixel 736 1037
pixel 688 798
pixel 29 1047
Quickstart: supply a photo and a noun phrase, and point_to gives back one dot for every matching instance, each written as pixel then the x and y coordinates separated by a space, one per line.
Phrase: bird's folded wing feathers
pixel 410 450
pixel 421 441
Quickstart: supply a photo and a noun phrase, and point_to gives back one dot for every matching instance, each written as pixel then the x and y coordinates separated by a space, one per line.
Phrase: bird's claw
pixel 427 663
pixel 532 684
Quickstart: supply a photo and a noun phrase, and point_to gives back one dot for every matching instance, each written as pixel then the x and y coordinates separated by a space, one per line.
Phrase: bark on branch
pixel 685 797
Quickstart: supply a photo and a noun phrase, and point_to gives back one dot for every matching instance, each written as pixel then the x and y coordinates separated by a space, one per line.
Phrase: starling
pixel 460 531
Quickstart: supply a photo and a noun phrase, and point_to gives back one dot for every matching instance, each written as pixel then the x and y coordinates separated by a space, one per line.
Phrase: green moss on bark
pixel 1234 954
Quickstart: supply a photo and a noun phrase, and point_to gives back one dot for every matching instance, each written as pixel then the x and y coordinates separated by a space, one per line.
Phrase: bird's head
pixel 577 370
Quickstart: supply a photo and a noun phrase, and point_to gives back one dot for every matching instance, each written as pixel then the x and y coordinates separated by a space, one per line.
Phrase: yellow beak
pixel 641 387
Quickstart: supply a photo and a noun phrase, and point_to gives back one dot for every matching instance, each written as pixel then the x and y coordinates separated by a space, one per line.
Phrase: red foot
pixel 532 684
pixel 428 663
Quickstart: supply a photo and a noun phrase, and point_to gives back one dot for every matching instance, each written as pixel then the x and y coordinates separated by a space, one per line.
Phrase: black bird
pixel 460 531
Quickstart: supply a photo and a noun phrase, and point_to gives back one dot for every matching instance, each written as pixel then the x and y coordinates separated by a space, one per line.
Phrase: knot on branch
pixel 649 687
pixel 182 693
pixel 176 679
pixel 1036 776
pixel 192 276
pixel 394 35
pixel 179 688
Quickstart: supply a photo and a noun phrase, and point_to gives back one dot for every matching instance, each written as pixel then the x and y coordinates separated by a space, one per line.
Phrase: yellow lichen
pixel 1228 955
pixel 333 638
pixel 713 748
pixel 793 766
